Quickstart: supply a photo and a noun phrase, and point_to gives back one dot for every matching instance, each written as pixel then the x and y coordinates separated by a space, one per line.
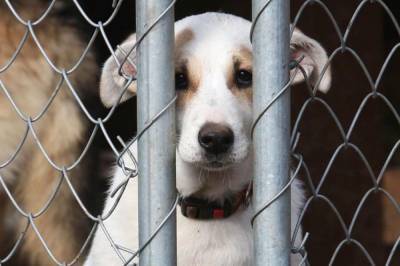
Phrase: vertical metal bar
pixel 271 135
pixel 156 156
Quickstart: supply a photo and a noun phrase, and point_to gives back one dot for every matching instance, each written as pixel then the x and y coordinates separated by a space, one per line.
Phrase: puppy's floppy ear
pixel 112 82
pixel 313 61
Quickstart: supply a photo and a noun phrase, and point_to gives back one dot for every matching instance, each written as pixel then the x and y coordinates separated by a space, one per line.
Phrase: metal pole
pixel 271 135
pixel 156 156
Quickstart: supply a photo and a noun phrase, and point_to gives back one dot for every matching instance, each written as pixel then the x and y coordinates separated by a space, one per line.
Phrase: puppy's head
pixel 213 66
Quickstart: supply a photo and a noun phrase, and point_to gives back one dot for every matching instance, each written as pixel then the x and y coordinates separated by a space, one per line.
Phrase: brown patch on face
pixel 183 38
pixel 187 65
pixel 245 58
pixel 241 60
pixel 192 70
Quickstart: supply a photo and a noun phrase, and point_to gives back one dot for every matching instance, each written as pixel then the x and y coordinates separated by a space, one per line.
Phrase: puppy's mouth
pixel 210 162
pixel 215 165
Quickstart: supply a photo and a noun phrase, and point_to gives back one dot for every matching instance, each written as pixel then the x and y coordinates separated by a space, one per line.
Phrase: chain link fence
pixel 300 166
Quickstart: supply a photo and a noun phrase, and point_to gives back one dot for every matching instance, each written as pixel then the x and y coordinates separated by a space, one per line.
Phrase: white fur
pixel 213 242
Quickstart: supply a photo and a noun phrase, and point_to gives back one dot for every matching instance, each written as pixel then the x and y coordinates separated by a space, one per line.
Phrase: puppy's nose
pixel 215 138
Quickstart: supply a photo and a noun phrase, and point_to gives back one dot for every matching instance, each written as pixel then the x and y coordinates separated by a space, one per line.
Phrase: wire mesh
pixel 125 254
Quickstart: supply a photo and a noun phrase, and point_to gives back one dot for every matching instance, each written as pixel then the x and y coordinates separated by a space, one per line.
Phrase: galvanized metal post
pixel 271 136
pixel 156 156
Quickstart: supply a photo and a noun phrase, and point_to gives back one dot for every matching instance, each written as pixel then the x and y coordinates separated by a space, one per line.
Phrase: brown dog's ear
pixel 313 61
pixel 112 82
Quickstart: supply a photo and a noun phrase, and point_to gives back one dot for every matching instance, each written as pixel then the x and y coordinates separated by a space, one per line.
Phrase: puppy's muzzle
pixel 215 139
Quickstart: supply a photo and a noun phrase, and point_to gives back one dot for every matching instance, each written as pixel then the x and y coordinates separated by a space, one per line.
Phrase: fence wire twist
pixel 300 164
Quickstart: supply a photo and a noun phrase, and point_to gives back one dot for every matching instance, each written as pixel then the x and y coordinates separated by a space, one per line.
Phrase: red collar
pixel 203 209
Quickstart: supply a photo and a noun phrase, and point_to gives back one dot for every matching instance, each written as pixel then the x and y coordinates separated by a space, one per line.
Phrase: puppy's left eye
pixel 181 81
pixel 243 78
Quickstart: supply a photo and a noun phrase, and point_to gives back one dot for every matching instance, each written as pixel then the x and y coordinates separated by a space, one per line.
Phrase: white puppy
pixel 213 157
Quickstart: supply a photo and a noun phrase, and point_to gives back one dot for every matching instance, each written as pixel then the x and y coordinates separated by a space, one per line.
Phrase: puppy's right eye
pixel 181 81
pixel 243 78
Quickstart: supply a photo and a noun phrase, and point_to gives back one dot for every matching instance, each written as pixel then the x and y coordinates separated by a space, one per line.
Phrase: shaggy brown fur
pixel 62 131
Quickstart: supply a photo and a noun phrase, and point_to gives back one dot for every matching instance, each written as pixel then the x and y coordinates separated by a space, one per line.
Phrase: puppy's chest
pixel 215 242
